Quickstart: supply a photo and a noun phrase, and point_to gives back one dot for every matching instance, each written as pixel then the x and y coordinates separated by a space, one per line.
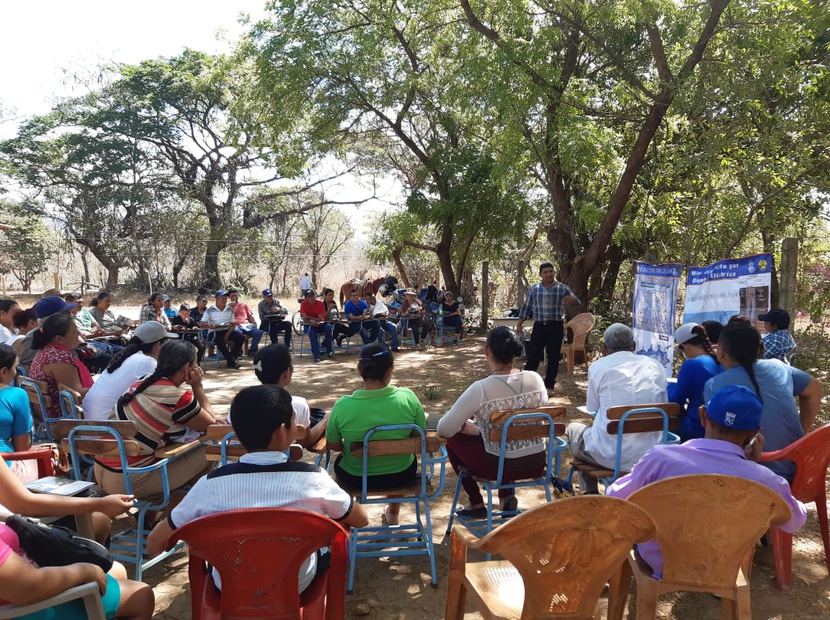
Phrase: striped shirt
pixel 545 303
pixel 160 414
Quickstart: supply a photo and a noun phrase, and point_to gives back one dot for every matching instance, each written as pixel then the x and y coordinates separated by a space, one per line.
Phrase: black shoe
pixel 234 365
pixel 473 513
pixel 340 341
pixel 331 353
pixel 396 349
pixel 510 504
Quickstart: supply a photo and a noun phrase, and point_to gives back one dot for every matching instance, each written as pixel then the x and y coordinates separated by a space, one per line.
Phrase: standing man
pixel 245 322
pixel 546 304
pixel 305 284
pixel 272 317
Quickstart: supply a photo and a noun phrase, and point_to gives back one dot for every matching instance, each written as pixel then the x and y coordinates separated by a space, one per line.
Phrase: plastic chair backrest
pixel 69 406
pixel 811 455
pixel 567 550
pixel 417 444
pixel 258 553
pixel 581 325
pixel 708 525
pixel 87 592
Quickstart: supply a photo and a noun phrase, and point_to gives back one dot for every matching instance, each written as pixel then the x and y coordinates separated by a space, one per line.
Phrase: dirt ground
pixel 399 588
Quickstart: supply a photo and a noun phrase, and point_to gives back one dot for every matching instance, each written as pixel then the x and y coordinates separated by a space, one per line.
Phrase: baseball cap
pixel 685 333
pixel 232 290
pixel 776 316
pixel 220 293
pixel 410 291
pixel 267 293
pixel 152 331
pixel 50 305
pixel 310 293
pixel 735 406
pixel 165 297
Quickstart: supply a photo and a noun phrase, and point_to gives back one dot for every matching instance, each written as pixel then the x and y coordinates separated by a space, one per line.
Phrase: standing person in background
pixel 272 317
pixel 8 308
pixel 545 303
pixel 245 322
pixel 778 343
pixel 305 284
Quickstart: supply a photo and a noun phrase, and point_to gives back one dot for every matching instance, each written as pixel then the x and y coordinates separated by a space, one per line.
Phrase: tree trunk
pixel 396 256
pixel 112 277
pixel 211 277
pixel 444 252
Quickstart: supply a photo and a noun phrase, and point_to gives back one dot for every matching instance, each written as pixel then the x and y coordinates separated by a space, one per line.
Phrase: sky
pixel 44 43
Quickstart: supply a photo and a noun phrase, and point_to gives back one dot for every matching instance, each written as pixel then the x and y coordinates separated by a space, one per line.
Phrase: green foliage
pixel 27 245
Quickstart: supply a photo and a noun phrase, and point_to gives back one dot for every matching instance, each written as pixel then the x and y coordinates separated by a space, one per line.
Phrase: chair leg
pixel 743 603
pixel 454 502
pixel 618 591
pixel 648 591
pixel 782 547
pixel 456 590
pixel 821 510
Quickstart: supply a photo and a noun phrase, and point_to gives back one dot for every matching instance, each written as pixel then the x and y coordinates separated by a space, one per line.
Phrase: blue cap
pixel 220 293
pixel 53 304
pixel 735 406
pixel 268 293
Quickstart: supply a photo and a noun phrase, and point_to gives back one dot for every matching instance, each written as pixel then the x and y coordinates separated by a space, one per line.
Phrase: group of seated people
pixel 155 381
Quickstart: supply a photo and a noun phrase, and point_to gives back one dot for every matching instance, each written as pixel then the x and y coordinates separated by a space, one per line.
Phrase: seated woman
pixel 56 362
pixel 100 310
pixel 163 408
pixel 24 322
pixel 341 331
pixel 467 424
pixel 377 404
pixel 22 583
pixel 15 417
pixel 134 362
pixel 412 309
pixel 451 311
pixel 701 365
pixel 154 311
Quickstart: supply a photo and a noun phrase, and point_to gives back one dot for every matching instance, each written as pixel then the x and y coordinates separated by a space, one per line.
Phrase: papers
pixel 58 486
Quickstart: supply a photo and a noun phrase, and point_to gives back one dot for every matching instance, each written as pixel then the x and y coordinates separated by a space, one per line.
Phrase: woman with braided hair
pixel 775 383
pixel 163 406
pixel 701 365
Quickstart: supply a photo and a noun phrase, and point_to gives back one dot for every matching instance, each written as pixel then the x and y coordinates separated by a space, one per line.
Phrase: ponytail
pixel 56 325
pixel 741 342
pixel 172 357
pixel 133 346
pixel 701 339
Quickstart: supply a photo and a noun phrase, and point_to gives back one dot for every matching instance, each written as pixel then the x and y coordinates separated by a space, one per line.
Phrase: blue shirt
pixel 545 303
pixel 15 416
pixel 700 456
pixel 780 421
pixel 688 392
pixel 352 309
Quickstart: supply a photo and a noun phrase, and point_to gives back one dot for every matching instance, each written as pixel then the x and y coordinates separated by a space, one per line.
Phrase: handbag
pixel 53 545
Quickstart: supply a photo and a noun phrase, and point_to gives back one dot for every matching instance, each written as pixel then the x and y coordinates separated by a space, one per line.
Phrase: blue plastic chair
pixel 21 372
pixel 509 425
pixel 306 335
pixel 39 401
pixel 660 417
pixel 399 540
pixel 94 438
pixel 403 326
pixel 208 336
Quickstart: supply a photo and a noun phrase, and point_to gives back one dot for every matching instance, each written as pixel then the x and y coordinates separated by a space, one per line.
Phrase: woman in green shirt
pixel 377 404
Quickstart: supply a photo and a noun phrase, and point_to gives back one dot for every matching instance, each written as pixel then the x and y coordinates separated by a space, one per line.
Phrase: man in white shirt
pixel 381 313
pixel 220 320
pixel 620 377
pixel 305 284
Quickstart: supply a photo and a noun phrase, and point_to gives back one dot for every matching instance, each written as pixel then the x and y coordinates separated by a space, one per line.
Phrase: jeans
pixel 388 327
pixel 275 326
pixel 360 328
pixel 314 333
pixel 253 332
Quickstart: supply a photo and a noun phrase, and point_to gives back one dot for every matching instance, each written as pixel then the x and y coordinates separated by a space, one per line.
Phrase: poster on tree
pixel 655 306
pixel 728 287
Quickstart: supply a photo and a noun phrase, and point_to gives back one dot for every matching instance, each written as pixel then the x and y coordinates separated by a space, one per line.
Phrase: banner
pixel 728 287
pixel 655 306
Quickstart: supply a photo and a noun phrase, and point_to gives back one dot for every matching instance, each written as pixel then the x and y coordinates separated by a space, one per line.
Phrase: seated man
pixel 272 317
pixel 273 366
pixel 731 444
pixel 245 322
pixel 620 377
pixel 380 312
pixel 184 325
pixel 360 318
pixel 263 419
pixel 778 343
pixel 313 313
pixel 220 320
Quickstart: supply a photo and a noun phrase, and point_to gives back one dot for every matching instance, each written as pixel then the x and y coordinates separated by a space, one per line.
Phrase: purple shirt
pixel 700 456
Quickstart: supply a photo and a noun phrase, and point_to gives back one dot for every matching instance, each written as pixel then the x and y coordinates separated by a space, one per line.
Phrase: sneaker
pixel 234 365
pixel 395 349
pixel 316 360
pixel 331 353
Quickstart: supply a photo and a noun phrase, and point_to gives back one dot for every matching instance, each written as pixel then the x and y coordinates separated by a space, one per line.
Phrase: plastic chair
pixel 258 553
pixel 208 336
pixel 399 540
pixel 403 326
pixel 87 592
pixel 43 458
pixel 811 455
pixel 510 425
pixel 226 448
pixel 117 439
pixel 558 558
pixel 707 528
pixel 321 337
pixel 629 419
pixel 580 326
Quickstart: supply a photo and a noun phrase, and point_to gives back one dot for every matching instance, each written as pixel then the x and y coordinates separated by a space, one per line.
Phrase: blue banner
pixel 655 306
pixel 728 287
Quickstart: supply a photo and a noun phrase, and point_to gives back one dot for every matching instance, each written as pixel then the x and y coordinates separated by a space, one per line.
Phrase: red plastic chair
pixel 811 455
pixel 43 458
pixel 258 553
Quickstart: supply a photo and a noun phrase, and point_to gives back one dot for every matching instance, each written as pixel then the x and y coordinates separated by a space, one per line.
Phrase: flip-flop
pixel 475 513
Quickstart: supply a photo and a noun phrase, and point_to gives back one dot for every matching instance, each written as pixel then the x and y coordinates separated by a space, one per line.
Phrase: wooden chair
pixel 225 448
pixel 511 425
pixel 398 540
pixel 116 439
pixel 258 553
pixel 39 401
pixel 87 592
pixel 630 419
pixel 580 326
pixel 707 528
pixel 558 557
pixel 811 455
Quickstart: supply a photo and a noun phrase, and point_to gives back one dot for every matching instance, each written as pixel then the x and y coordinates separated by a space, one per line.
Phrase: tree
pixel 25 246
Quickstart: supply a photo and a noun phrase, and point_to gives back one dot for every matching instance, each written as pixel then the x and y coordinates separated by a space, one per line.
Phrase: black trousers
pixel 546 337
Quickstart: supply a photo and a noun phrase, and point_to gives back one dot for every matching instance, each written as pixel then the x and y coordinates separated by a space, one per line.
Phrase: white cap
pixel 684 333
pixel 152 331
